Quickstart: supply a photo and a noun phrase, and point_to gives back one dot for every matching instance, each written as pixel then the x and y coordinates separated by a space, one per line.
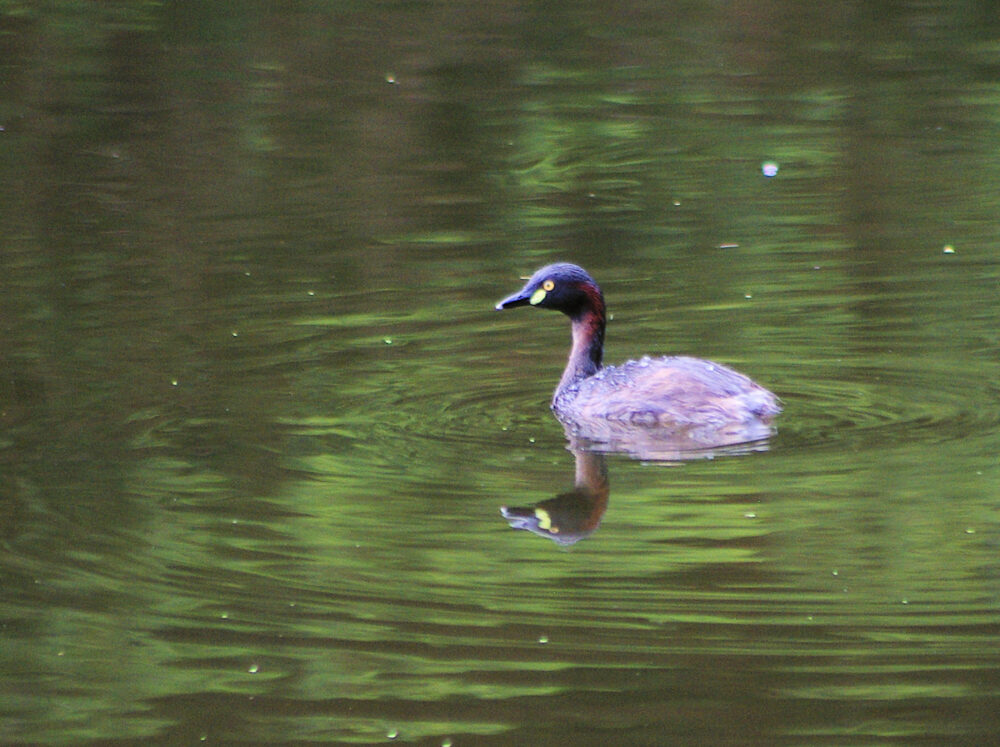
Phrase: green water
pixel 258 416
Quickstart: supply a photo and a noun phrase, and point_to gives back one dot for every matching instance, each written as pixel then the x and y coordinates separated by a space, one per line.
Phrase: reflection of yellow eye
pixel 548 285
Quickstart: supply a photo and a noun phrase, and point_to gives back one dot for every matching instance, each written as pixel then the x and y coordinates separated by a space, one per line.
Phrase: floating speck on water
pixel 970 530
pixel 543 639
pixel 387 340
pixel 253 669
pixel 905 601
pixel 750 515
pixel 948 249
pixel 173 382
pixel 311 293
pixel 748 295
pixel 836 573
pixel 235 333
pixel 729 245
pixel 677 203
pixel 531 440
pixel 769 169
pixel 224 616
pixel 392 734
pixel 390 78
pixel 446 743
pixel 247 273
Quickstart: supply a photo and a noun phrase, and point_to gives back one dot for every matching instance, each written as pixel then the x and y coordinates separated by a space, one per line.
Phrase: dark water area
pixel 258 416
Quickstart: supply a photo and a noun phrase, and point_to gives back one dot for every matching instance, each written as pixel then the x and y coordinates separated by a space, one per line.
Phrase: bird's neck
pixel 588 346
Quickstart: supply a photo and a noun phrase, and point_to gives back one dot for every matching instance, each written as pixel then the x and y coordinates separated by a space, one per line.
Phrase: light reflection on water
pixel 258 418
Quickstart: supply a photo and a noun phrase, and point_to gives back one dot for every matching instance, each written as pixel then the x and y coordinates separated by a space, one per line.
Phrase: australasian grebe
pixel 667 392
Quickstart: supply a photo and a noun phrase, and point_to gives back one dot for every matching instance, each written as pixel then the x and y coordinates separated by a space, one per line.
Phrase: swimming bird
pixel 682 394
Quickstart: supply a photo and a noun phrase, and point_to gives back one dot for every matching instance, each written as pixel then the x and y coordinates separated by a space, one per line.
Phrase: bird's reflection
pixel 571 516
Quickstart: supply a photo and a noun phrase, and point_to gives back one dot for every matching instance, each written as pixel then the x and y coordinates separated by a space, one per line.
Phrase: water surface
pixel 258 417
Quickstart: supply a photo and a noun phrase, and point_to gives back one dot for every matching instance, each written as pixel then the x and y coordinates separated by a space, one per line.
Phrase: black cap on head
pixel 562 286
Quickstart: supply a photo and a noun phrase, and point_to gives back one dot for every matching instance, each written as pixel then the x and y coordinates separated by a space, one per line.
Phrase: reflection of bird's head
pixel 568 517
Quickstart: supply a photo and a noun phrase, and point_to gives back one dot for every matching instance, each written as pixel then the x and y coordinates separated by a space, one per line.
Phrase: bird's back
pixel 666 392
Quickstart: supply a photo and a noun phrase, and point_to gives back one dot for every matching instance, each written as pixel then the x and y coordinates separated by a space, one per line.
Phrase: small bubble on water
pixel 948 249
pixel 254 668
pixel 769 169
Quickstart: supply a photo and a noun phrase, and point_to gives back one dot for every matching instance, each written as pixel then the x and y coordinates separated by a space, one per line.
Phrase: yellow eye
pixel 548 285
